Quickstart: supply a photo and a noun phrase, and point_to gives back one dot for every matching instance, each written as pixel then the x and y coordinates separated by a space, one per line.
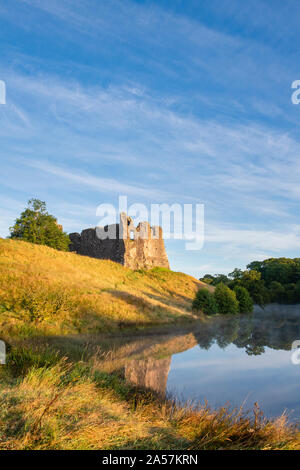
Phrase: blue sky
pixel 171 101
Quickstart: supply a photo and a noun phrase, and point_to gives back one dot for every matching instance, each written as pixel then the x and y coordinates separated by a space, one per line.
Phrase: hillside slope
pixel 59 293
pixel 64 390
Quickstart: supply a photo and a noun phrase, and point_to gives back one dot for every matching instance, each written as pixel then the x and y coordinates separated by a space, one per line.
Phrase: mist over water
pixel 223 359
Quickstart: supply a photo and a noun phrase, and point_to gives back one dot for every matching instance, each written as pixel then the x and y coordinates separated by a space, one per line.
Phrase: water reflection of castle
pixel 274 327
pixel 149 373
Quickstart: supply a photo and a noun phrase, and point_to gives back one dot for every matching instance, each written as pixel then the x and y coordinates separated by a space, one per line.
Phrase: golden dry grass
pixel 65 407
pixel 49 298
pixel 54 292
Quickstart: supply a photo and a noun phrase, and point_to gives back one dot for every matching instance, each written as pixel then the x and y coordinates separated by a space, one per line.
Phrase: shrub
pixel 226 300
pixel 205 301
pixel 33 300
pixel 35 225
pixel 244 299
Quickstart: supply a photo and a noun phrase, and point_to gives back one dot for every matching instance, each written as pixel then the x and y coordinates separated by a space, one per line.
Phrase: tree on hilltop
pixel 36 225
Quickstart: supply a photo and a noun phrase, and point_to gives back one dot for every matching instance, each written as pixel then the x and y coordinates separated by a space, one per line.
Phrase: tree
pixel 252 281
pixel 255 266
pixel 236 274
pixel 244 299
pixel 277 292
pixel 278 269
pixel 297 292
pixel 36 225
pixel 205 301
pixel 220 278
pixel 226 300
pixel 208 279
pixel 271 280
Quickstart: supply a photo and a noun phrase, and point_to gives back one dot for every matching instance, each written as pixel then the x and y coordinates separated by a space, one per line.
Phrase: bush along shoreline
pixel 223 300
pixel 274 280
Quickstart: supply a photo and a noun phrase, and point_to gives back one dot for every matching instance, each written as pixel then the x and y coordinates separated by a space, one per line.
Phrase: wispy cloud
pixel 265 241
pixel 160 104
pixel 252 160
pixel 102 185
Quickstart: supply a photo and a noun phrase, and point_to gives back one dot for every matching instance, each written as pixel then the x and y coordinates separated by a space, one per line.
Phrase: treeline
pixel 277 331
pixel 223 300
pixel 271 280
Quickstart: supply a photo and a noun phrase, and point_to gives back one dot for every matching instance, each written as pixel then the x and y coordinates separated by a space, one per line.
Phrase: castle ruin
pixel 140 247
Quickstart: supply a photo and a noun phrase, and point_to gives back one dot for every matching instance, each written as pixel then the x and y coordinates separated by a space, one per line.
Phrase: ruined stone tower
pixel 140 247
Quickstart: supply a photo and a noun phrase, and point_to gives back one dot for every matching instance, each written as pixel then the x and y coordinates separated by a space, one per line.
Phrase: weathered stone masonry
pixel 140 247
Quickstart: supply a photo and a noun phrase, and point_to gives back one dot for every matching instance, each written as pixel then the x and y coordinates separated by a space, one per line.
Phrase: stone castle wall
pixel 139 247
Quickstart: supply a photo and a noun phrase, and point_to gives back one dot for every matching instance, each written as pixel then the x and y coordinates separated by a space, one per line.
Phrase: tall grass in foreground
pixel 50 402
pixel 60 405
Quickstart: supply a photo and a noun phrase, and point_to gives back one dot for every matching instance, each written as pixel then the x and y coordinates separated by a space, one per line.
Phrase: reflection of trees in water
pixel 252 333
pixel 252 350
pixel 228 333
pixel 275 330
pixel 220 330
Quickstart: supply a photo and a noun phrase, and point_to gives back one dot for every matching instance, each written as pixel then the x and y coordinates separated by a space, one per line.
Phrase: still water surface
pixel 236 360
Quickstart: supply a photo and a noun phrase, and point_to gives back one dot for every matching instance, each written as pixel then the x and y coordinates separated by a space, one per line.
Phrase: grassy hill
pixel 60 389
pixel 61 293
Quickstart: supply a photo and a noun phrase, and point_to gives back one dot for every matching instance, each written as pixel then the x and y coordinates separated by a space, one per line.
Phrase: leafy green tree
pixel 289 293
pixel 296 270
pixel 271 280
pixel 36 225
pixel 252 275
pixel 283 270
pixel 278 269
pixel 208 279
pixel 205 301
pixel 236 274
pixel 255 266
pixel 244 299
pixel 252 281
pixel 277 292
pixel 297 292
pixel 226 300
pixel 215 280
pixel 220 278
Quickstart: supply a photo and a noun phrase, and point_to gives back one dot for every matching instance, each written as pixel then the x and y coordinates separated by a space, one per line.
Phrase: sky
pixel 170 101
